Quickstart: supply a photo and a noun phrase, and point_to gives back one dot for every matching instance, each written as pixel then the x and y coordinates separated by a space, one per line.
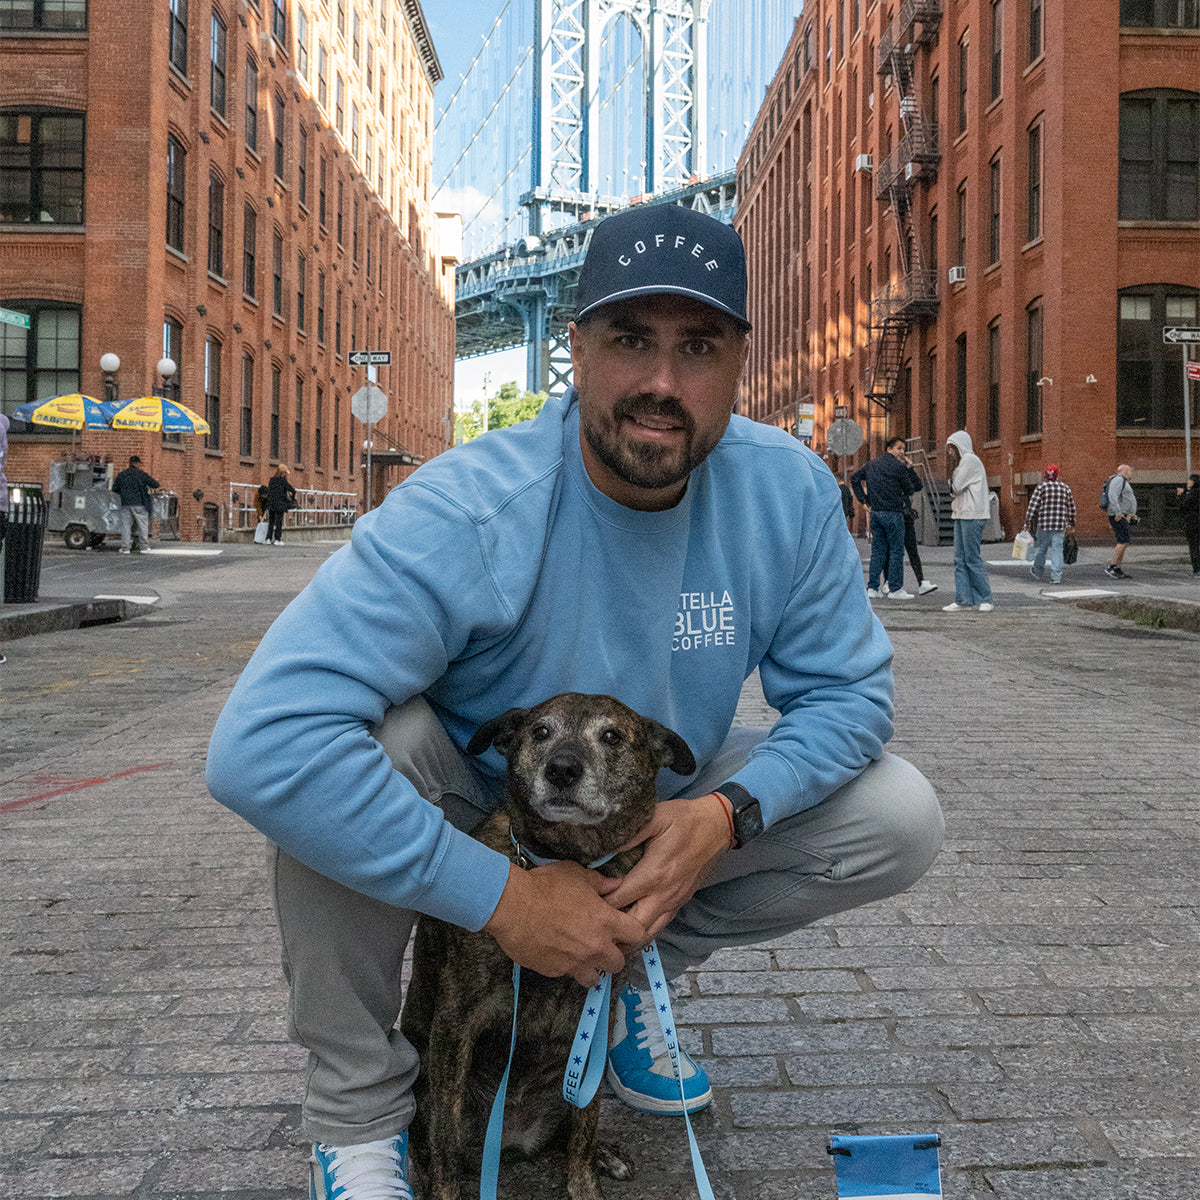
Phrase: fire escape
pixel 911 296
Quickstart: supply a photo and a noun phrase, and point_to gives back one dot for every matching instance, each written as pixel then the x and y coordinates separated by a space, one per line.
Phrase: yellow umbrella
pixel 72 411
pixel 154 413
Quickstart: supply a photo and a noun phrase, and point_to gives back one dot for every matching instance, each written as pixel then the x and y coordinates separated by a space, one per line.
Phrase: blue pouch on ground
pixel 899 1166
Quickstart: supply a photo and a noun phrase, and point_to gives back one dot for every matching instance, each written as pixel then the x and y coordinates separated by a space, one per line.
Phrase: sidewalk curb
pixel 76 614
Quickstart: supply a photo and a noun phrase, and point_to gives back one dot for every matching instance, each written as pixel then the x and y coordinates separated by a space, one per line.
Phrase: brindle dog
pixel 581 783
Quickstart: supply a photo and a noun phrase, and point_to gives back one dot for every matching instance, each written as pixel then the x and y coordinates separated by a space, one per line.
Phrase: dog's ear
pixel 499 731
pixel 673 751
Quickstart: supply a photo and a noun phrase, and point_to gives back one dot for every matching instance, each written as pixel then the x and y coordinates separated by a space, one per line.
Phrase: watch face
pixel 748 822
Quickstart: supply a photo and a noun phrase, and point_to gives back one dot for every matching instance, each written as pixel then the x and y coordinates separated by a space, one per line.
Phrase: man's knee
pixel 906 817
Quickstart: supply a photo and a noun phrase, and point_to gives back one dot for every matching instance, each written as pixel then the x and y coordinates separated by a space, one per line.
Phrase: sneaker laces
pixel 651 1038
pixel 374 1171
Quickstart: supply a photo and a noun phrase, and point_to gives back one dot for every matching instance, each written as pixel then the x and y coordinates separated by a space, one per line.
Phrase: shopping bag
pixel 1021 545
pixel 1070 549
pixel 260 533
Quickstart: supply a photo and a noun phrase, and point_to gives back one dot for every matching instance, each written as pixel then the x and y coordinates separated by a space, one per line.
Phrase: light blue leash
pixel 585 1067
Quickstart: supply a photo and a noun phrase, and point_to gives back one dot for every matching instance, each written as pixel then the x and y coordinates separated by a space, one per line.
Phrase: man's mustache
pixel 651 406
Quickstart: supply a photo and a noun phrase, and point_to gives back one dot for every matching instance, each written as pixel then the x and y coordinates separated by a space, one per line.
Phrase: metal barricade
pixel 314 508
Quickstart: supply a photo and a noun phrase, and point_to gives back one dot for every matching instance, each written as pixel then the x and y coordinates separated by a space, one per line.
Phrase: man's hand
pixel 682 840
pixel 553 921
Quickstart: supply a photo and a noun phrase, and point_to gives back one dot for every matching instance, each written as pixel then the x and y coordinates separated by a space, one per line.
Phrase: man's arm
pixel 856 484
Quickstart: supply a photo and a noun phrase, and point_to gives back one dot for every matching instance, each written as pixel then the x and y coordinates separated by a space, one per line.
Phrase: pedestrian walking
pixel 134 486
pixel 1049 516
pixel 884 485
pixel 1122 516
pixel 1189 507
pixel 970 507
pixel 634 539
pixel 924 586
pixel 281 498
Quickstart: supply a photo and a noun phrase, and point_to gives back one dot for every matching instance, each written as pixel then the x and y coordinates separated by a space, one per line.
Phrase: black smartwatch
pixel 747 815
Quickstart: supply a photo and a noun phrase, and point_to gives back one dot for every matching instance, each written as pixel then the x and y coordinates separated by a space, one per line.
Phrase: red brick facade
pixel 354 206
pixel 1020 190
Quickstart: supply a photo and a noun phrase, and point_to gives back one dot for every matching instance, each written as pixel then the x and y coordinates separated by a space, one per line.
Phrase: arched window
pixel 1150 372
pixel 1159 156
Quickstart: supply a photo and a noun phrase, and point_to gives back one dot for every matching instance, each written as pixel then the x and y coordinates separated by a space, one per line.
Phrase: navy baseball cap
pixel 657 248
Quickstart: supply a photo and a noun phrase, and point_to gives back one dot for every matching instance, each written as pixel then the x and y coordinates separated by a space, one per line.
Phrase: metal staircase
pixel 935 526
pixel 913 296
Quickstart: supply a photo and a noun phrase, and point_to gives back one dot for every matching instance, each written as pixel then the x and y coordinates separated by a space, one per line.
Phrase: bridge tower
pixel 568 35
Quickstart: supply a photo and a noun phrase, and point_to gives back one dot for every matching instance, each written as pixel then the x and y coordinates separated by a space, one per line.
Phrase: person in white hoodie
pixel 970 508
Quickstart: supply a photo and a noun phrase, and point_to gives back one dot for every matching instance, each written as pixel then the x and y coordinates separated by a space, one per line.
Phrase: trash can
pixel 27 515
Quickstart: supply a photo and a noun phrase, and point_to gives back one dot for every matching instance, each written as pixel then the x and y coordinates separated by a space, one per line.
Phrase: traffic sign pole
pixel 1187 413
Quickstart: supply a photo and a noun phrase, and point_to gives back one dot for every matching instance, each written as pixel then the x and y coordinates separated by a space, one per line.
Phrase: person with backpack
pixel 1118 500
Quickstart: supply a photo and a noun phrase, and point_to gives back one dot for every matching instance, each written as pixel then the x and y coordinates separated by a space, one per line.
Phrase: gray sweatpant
pixel 342 951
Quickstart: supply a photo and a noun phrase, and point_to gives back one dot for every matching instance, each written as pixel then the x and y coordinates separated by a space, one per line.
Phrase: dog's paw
pixel 611 1164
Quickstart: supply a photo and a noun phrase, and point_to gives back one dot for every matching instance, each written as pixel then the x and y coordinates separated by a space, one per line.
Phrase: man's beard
pixel 644 464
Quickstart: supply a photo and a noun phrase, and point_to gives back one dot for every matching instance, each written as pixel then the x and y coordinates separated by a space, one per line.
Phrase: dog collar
pixel 526 859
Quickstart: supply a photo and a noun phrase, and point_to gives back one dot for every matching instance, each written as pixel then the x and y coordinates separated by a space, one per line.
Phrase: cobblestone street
pixel 1034 999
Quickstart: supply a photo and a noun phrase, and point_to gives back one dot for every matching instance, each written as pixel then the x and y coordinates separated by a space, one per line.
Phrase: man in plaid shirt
pixel 1049 517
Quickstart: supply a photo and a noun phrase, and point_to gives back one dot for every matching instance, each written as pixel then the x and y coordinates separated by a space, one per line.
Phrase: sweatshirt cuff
pixel 771 780
pixel 452 898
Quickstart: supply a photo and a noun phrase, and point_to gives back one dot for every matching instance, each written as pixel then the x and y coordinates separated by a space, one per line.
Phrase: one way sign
pixel 370 358
pixel 1179 334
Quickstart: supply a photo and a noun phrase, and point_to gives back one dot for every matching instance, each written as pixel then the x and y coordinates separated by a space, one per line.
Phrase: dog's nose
pixel 563 770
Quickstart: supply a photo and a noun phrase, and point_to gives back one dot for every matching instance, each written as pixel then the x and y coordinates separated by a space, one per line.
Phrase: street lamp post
pixel 110 364
pixel 166 368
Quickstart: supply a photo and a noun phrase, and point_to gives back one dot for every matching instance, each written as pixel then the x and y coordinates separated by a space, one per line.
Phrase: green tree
pixel 509 406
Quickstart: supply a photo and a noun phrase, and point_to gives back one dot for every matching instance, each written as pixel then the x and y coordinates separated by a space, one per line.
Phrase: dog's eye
pixel 540 733
pixel 612 737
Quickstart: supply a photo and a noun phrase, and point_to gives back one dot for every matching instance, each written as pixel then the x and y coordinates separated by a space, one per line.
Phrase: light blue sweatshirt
pixel 496 576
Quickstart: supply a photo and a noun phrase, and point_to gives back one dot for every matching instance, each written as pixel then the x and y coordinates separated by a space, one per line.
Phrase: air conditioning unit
pixel 911 171
pixel 958 274
pixel 863 163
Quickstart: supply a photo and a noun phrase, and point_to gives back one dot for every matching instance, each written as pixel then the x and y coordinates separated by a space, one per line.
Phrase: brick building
pixel 982 214
pixel 242 186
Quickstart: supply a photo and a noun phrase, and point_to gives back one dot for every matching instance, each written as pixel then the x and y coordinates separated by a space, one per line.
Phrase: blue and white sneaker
pixel 639 1064
pixel 372 1171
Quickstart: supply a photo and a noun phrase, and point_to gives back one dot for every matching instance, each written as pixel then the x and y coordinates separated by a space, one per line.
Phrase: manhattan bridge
pixel 574 109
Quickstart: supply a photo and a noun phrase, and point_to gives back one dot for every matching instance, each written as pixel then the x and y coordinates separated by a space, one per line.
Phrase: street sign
pixel 370 358
pixel 1193 372
pixel 369 404
pixel 8 317
pixel 1179 334
pixel 844 436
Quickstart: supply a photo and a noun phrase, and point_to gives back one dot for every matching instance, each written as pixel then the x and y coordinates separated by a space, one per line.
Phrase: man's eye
pixel 630 341
pixel 612 737
pixel 540 733
pixel 698 348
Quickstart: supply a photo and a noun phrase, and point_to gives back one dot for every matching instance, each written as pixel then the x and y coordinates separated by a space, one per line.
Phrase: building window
pixel 322 181
pixel 1033 186
pixel 280 132
pixel 301 272
pixel 994 211
pixel 960 381
pixel 960 243
pixel 993 409
pixel 341 198
pixel 172 387
pixel 321 307
pixel 997 74
pixel 276 386
pixel 249 251
pixel 279 22
pixel 963 65
pixel 1161 14
pixel 302 166
pixel 808 48
pixel 302 43
pixel 212 392
pixel 176 193
pixel 177 35
pixel 828 50
pixel 41 167
pixel 1159 156
pixel 354 130
pixel 216 224
pixel 354 234
pixel 339 104
pixel 933 243
pixel 317 426
pixel 277 272
pixel 246 431
pixel 355 42
pixel 298 424
pixel 252 104
pixel 322 77
pixel 1033 368
pixel 337 430
pixel 40 361
pixel 1149 371
pixel 337 324
pixel 1037 29
pixel 43 14
pixel 216 66
pixel 341 19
